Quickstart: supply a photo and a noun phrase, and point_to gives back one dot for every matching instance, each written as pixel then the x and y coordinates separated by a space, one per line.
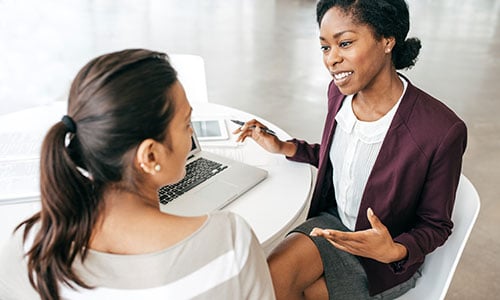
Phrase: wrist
pixel 288 149
pixel 401 253
pixel 397 265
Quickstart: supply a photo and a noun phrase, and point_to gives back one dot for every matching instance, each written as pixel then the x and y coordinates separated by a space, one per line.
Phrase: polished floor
pixel 263 56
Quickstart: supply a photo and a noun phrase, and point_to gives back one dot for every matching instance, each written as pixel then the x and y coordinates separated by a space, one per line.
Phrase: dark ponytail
pixel 67 214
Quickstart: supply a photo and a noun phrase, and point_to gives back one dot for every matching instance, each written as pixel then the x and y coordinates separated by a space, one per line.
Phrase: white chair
pixel 191 73
pixel 440 265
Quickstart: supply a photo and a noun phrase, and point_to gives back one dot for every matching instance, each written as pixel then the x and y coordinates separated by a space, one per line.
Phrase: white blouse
pixel 354 149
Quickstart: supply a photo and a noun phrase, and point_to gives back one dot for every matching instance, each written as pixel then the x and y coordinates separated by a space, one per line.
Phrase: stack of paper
pixel 19 166
pixel 21 137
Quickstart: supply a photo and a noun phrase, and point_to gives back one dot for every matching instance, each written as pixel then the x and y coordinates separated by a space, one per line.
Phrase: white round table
pixel 272 208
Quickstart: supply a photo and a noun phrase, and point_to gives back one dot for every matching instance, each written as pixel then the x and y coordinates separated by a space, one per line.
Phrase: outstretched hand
pixel 375 243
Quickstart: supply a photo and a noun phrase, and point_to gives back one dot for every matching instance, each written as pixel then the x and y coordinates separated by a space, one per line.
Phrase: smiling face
pixel 356 60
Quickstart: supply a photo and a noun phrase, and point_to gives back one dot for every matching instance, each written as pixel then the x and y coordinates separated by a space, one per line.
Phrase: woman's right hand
pixel 270 142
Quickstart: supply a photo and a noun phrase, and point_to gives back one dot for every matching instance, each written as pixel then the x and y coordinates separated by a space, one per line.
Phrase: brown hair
pixel 116 101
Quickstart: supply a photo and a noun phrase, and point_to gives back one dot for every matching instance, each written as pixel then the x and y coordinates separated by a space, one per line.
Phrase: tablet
pixel 210 129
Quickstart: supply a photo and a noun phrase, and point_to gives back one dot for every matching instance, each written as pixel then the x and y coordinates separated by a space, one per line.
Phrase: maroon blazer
pixel 413 182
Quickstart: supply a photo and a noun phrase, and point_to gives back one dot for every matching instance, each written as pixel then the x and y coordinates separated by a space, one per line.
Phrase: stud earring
pixel 157 168
pixel 387 50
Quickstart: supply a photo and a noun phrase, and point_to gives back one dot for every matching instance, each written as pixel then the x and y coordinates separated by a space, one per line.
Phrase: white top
pixel 354 149
pixel 221 260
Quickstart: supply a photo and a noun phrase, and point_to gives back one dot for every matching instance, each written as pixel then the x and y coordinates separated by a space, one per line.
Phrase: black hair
pixel 387 18
pixel 116 101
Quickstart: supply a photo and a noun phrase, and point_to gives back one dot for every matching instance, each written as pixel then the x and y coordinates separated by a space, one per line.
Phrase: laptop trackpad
pixel 217 195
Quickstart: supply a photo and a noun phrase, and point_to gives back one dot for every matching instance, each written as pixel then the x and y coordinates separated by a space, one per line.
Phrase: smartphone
pixel 210 129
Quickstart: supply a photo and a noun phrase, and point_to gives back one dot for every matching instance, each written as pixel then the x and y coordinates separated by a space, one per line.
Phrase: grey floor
pixel 263 56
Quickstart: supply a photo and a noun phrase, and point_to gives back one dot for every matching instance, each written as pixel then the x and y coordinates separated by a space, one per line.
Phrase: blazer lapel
pixel 376 190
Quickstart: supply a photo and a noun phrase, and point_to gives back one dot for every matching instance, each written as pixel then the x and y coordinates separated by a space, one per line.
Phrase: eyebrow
pixel 338 34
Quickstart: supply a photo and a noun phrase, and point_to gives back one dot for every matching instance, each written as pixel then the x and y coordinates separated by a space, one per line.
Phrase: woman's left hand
pixel 375 243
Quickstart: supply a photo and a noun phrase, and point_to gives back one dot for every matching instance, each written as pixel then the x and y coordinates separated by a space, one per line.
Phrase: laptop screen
pixel 195 146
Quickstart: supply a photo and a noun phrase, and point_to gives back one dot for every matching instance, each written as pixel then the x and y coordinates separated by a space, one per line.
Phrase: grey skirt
pixel 344 275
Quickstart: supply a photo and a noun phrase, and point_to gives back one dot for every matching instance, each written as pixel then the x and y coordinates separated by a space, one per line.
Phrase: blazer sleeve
pixel 433 223
pixel 306 153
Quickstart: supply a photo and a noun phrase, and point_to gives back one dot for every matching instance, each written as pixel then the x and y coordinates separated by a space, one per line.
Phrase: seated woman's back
pixel 222 259
pixel 100 233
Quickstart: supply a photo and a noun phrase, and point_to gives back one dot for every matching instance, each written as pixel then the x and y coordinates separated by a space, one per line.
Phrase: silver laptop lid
pixel 195 146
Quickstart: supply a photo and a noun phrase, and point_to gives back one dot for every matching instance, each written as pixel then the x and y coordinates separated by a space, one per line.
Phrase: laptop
pixel 226 180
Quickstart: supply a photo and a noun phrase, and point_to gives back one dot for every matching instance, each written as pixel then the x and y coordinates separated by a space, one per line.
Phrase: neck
pixel 121 214
pixel 131 224
pixel 372 103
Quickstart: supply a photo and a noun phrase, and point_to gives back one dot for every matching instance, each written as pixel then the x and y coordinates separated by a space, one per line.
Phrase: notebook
pixel 227 180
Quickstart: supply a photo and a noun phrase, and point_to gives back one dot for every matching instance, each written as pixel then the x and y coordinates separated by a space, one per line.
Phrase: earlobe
pixel 146 157
pixel 389 44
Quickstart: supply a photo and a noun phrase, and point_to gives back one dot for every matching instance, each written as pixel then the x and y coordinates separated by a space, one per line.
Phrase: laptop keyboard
pixel 197 172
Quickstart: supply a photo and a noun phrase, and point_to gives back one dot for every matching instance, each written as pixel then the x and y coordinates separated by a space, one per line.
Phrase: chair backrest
pixel 191 73
pixel 440 265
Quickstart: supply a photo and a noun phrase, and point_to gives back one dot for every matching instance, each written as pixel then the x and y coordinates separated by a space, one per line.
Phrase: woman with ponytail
pixel 388 164
pixel 100 233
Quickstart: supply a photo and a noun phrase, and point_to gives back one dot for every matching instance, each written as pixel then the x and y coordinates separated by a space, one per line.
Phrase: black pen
pixel 266 130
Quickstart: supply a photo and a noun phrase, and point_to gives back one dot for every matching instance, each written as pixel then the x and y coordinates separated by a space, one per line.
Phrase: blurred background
pixel 263 56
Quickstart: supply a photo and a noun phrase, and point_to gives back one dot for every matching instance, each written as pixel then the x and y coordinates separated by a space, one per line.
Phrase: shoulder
pixel 432 107
pixel 418 105
pixel 233 229
pixel 228 216
pixel 224 221
pixel 428 118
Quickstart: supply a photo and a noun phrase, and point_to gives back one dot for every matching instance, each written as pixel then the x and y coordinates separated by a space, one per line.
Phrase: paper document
pixel 19 179
pixel 20 145
pixel 20 165
pixel 21 138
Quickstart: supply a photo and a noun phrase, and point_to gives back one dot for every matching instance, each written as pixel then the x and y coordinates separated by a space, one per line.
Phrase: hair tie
pixel 69 123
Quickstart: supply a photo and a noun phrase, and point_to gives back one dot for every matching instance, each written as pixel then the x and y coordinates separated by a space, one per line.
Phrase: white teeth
pixel 341 75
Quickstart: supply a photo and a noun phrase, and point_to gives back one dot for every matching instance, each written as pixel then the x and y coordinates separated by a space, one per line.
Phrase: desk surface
pixel 271 208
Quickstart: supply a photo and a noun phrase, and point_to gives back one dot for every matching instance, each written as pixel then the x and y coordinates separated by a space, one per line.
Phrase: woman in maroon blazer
pixel 388 164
